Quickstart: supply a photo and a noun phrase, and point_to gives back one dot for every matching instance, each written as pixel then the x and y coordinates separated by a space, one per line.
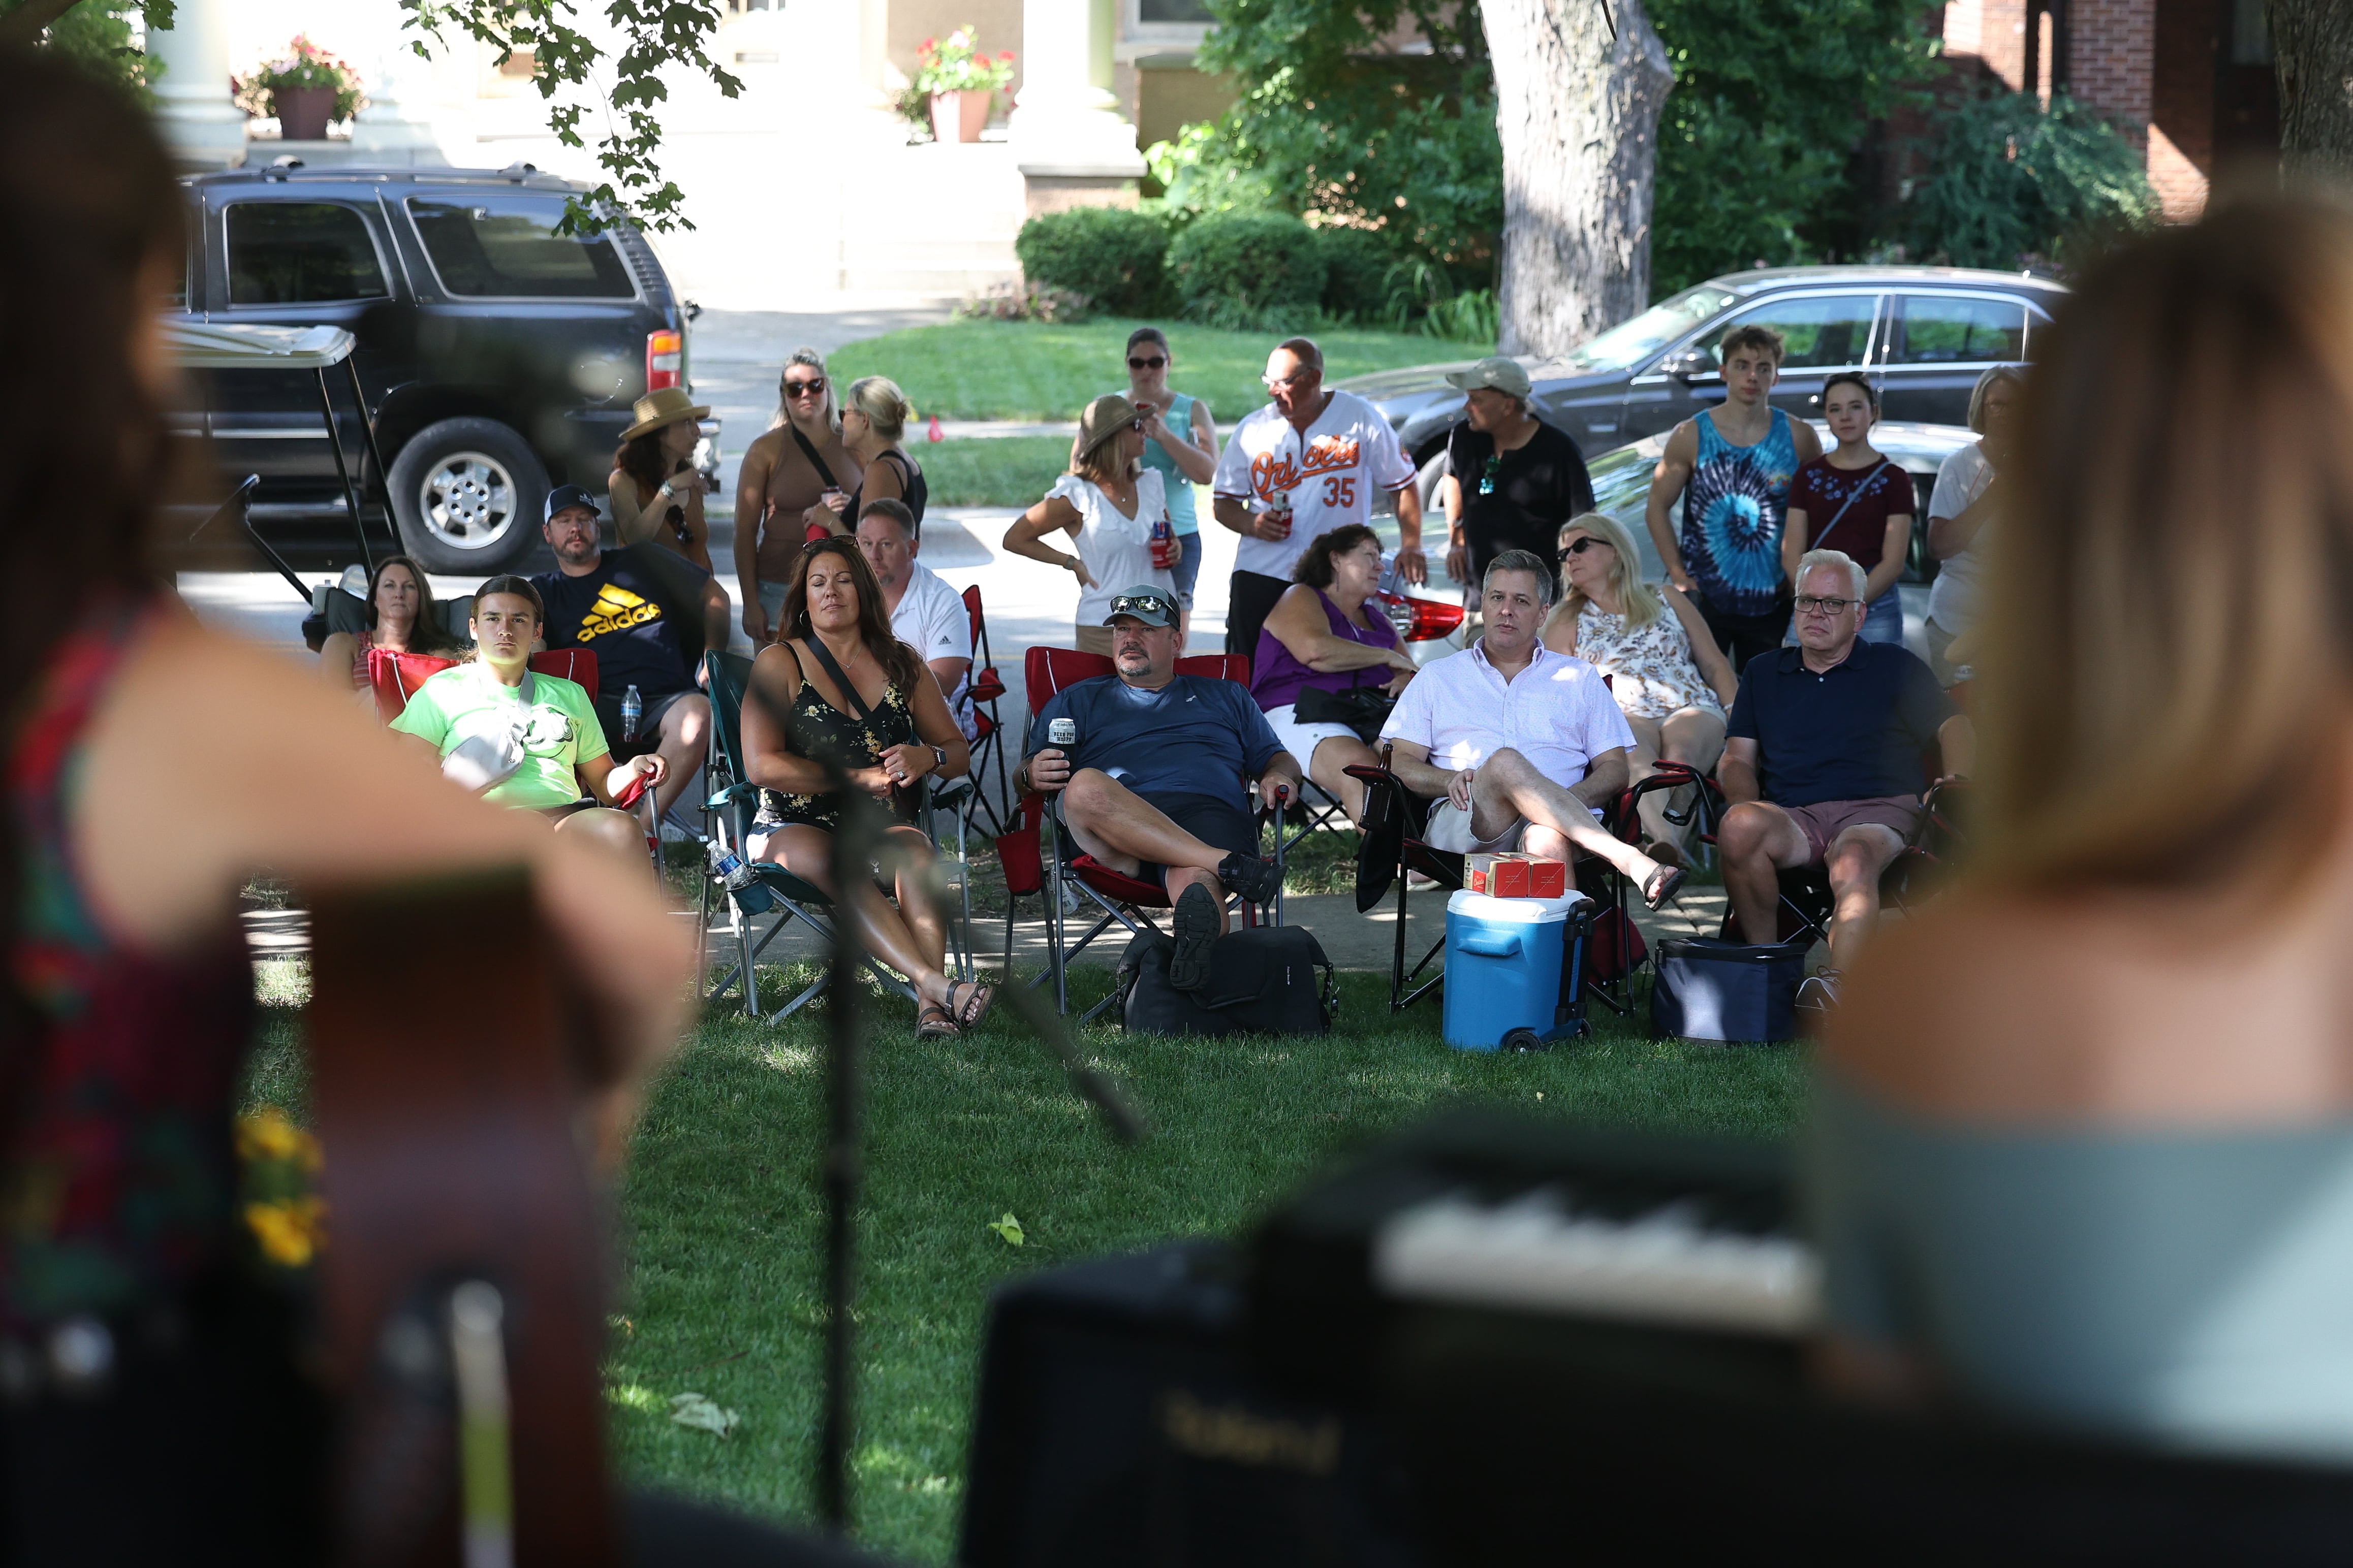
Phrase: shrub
pixel 1357 263
pixel 1116 257
pixel 2012 182
pixel 1470 317
pixel 1259 271
pixel 1027 302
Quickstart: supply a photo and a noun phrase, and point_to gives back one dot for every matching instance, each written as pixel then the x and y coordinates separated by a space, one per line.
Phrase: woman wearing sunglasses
pixel 1180 444
pixel 1670 679
pixel 1108 503
pixel 798 467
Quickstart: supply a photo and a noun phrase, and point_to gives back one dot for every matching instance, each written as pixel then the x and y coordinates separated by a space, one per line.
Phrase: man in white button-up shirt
pixel 1518 743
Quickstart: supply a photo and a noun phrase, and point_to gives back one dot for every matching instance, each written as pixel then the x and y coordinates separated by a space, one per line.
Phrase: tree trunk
pixel 2312 40
pixel 1578 117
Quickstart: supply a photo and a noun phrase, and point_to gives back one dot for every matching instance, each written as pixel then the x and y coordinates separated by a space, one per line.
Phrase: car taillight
pixel 1421 620
pixel 665 357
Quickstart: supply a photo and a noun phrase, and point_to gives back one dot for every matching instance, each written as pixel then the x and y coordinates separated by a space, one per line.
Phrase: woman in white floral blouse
pixel 1670 679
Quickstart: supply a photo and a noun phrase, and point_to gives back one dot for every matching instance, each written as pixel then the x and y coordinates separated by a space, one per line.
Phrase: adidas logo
pixel 616 610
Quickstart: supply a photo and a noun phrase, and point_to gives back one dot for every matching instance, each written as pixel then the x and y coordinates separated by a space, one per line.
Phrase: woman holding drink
pixel 1115 512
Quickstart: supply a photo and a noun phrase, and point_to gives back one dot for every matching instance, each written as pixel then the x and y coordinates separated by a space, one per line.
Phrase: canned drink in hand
pixel 1062 733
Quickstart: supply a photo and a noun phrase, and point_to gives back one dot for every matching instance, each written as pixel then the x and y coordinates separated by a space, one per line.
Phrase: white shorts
pixel 1301 739
pixel 1449 828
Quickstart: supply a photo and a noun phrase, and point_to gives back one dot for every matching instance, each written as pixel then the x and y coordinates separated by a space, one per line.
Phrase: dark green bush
pixel 2014 182
pixel 1114 257
pixel 1357 263
pixel 1249 269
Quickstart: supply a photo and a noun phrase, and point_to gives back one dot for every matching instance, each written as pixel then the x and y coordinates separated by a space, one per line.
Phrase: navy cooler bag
pixel 1711 990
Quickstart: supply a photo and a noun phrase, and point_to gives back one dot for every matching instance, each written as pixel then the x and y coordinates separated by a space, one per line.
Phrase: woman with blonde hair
pixel 1670 679
pixel 2082 1130
pixel 797 468
pixel 1108 503
pixel 873 421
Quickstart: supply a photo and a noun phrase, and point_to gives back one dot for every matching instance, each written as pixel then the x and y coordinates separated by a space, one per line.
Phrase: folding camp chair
pixel 1030 868
pixel 760 887
pixel 989 744
pixel 1807 904
pixel 395 676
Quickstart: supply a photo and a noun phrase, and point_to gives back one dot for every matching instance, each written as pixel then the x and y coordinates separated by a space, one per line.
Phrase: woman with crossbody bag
pixel 1855 500
pixel 797 468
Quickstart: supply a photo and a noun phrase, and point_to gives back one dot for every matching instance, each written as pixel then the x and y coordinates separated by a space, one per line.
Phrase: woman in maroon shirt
pixel 1854 498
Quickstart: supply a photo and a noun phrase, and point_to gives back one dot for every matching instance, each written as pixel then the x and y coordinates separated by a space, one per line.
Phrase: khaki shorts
pixel 1824 821
pixel 1449 829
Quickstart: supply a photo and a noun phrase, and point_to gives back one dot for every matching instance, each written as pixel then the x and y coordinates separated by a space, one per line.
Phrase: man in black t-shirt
pixel 1514 479
pixel 647 613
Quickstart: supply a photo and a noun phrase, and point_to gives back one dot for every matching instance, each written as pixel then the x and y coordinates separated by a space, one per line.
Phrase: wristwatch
pixel 939 759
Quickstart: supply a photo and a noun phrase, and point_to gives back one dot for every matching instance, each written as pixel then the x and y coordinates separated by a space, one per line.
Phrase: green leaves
pixel 2012 183
pixel 653 34
pixel 1008 1229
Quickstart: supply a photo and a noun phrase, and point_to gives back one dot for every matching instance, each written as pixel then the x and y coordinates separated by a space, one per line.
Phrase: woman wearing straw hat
pixel 656 491
pixel 1108 503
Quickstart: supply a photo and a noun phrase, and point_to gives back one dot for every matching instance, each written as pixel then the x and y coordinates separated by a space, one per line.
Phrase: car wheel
pixel 467 494
pixel 1425 484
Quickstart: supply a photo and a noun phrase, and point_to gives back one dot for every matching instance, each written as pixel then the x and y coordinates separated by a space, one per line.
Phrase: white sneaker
pixel 1819 991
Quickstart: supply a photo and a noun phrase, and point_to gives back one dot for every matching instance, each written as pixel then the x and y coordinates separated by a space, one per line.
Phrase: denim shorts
pixel 1187 569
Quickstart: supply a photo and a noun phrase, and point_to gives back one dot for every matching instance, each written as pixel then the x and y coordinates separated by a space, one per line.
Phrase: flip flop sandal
pixel 979 998
pixel 1663 886
pixel 935 1023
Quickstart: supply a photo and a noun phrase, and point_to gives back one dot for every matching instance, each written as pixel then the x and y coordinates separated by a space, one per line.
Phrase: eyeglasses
pixel 1579 545
pixel 804 388
pixel 1137 362
pixel 1144 606
pixel 1272 382
pixel 1809 606
pixel 1136 423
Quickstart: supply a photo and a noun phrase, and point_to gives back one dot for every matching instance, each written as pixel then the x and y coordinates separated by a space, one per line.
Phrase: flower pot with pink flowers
pixel 961 79
pixel 305 88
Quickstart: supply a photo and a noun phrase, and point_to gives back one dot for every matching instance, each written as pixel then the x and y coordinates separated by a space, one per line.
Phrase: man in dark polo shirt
pixel 1822 762
pixel 1513 479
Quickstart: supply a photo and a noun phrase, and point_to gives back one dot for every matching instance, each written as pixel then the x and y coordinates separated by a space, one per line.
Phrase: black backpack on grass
pixel 1263 980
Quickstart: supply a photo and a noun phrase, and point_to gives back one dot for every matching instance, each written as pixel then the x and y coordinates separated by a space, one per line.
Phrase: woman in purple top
pixel 1325 631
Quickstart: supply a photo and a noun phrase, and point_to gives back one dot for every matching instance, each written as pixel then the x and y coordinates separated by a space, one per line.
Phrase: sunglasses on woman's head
pixel 804 388
pixel 1137 362
pixel 1578 546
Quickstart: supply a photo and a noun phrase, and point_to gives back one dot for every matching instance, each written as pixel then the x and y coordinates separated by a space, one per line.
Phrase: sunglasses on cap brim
pixel 1145 606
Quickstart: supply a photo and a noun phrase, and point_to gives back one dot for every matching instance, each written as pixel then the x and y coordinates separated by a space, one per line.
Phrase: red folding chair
pixel 1030 868
pixel 989 740
pixel 395 676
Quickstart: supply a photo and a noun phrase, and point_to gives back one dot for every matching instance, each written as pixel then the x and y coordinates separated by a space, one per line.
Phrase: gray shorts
pixel 1449 828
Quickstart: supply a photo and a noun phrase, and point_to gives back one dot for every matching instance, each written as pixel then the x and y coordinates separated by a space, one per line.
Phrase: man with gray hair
pixel 1519 745
pixel 1822 765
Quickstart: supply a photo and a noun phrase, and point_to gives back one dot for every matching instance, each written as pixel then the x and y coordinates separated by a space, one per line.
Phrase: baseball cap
pixel 564 496
pixel 1504 376
pixel 1152 606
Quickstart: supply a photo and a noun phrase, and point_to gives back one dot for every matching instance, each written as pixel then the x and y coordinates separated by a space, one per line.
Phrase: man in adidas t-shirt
pixel 647 613
pixel 1306 463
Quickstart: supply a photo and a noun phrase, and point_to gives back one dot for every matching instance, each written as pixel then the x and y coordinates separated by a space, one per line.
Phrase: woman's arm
pixel 1028 536
pixel 336 656
pixel 1193 457
pixel 1714 668
pixel 1892 550
pixel 631 524
pixel 884 481
pixel 1795 531
pixel 769 760
pixel 936 727
pixel 1298 624
pixel 697 548
pixel 751 512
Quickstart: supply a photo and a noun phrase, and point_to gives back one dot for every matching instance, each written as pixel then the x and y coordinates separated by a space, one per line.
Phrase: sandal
pixel 974 1007
pixel 933 1022
pixel 1663 885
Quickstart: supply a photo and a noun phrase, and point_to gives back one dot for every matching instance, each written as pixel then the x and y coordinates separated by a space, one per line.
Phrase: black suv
pixel 1924 334
pixel 497 356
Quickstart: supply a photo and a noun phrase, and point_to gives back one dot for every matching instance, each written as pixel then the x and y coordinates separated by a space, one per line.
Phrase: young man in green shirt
pixel 521 739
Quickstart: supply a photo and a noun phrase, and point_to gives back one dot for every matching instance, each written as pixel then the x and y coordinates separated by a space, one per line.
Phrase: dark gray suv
pixel 498 357
pixel 1924 334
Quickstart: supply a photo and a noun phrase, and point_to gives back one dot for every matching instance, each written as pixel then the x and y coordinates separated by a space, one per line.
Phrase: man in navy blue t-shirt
pixel 1822 762
pixel 1154 784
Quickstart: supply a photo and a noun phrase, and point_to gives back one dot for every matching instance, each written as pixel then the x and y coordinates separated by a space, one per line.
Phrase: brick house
pixel 2191 81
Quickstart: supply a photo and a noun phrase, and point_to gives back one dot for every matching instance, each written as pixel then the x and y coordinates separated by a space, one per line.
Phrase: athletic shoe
pixel 1255 879
pixel 1196 931
pixel 1819 991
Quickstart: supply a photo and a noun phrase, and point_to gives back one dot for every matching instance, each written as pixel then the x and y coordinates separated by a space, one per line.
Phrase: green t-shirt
pixel 559 733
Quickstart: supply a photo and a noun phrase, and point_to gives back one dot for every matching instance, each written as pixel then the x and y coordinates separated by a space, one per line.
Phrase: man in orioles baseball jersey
pixel 1306 463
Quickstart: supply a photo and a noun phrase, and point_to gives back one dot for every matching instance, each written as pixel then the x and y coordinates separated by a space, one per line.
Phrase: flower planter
pixel 304 112
pixel 959 116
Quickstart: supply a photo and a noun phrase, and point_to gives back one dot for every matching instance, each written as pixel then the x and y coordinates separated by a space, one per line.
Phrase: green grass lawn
pixel 1031 369
pixel 995 470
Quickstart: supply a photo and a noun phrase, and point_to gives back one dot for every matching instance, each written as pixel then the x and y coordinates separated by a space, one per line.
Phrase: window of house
pixel 1818 334
pixel 301 253
pixel 503 244
pixel 1961 332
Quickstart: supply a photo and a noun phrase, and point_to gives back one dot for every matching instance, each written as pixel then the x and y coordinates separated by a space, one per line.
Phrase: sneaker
pixel 1819 991
pixel 1196 931
pixel 1255 879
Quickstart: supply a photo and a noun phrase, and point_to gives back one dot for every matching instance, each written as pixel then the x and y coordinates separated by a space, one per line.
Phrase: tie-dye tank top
pixel 1733 509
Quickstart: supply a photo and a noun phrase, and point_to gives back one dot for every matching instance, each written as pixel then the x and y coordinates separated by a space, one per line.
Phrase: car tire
pixel 1425 483
pixel 467 494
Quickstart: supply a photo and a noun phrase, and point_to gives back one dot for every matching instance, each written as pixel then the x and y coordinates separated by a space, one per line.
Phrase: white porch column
pixel 398 119
pixel 201 126
pixel 1073 145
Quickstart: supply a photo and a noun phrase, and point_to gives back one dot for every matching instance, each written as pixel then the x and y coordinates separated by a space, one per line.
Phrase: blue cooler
pixel 1503 966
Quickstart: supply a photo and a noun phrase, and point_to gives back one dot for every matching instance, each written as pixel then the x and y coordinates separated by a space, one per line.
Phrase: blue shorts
pixel 1187 569
pixel 1217 823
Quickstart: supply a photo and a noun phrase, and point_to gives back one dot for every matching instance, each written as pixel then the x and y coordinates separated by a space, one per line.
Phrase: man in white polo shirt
pixel 1518 743
pixel 926 613
pixel 1306 463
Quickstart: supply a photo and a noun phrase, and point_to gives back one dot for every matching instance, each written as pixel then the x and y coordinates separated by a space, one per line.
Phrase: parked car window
pixel 301 253
pixel 506 246
pixel 1822 333
pixel 1947 330
pixel 1631 343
